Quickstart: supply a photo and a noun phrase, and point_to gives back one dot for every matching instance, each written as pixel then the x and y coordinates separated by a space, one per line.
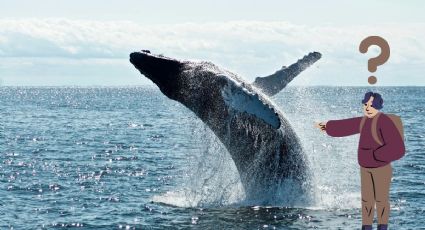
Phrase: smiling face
pixel 368 109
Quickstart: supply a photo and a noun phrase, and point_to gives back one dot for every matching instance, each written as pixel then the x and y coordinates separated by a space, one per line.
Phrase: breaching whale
pixel 263 145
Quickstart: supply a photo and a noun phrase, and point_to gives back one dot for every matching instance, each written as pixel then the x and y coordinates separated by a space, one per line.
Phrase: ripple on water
pixel 103 158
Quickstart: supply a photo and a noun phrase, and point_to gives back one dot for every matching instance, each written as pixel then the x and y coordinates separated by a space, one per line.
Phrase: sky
pixel 87 43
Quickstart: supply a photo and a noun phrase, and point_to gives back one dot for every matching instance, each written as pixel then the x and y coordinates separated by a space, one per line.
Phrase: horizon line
pixel 153 86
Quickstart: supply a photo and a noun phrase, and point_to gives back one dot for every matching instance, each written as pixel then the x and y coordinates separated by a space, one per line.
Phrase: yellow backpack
pixel 394 118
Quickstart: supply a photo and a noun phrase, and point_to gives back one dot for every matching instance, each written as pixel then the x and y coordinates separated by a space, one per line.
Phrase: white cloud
pixel 249 47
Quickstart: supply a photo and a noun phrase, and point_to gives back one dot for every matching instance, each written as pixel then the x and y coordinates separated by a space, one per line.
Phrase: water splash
pixel 211 178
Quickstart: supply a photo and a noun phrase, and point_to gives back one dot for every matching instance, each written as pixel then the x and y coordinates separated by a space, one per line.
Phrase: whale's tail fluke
pixel 274 83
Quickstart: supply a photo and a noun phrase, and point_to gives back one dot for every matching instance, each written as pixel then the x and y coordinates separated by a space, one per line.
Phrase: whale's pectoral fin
pixel 274 83
pixel 242 101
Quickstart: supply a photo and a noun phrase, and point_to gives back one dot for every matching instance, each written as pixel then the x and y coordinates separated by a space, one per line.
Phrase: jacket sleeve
pixel 342 128
pixel 393 148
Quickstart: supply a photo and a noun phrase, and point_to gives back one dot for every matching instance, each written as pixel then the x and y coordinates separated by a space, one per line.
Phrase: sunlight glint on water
pixel 98 157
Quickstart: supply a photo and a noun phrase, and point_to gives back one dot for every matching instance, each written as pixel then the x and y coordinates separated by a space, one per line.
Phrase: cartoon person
pixel 381 142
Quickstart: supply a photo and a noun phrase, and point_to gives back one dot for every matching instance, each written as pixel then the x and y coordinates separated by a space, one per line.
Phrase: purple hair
pixel 377 102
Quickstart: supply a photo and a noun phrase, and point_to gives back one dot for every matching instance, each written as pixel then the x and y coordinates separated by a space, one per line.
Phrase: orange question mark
pixel 373 63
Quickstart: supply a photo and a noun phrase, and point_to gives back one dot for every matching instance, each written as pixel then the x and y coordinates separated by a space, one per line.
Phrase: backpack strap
pixel 375 129
pixel 362 123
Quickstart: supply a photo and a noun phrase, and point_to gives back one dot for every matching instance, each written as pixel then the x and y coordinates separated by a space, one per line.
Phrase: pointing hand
pixel 321 126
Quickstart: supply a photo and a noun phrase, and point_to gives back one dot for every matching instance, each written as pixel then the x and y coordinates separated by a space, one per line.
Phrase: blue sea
pixel 130 158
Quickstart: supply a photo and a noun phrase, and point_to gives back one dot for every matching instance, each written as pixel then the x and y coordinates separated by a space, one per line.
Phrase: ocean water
pixel 130 158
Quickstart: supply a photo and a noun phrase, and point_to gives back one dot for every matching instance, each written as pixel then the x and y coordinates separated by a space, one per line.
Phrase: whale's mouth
pixel 161 70
pixel 158 68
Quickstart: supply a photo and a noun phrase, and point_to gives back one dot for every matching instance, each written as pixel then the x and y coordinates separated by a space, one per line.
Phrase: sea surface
pixel 130 158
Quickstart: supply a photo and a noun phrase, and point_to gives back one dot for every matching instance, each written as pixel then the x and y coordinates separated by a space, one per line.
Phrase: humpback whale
pixel 263 145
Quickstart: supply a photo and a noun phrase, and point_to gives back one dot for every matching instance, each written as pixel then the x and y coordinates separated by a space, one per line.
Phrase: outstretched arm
pixel 341 128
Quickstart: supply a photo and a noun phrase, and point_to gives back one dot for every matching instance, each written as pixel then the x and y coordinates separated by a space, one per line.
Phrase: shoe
pixel 366 227
pixel 382 226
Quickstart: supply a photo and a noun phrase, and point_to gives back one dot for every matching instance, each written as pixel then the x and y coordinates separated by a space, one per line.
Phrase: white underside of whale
pixel 240 99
